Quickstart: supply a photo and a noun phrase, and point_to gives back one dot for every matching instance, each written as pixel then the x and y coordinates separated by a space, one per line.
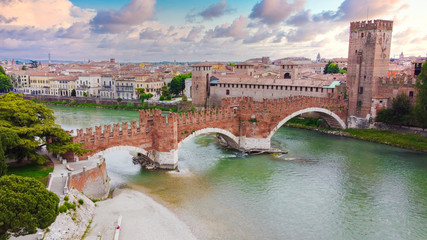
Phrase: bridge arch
pixel 131 149
pixel 227 135
pixel 329 115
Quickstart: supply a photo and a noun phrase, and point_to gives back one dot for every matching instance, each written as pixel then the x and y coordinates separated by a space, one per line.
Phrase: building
pixel 149 84
pixel 372 82
pixel 209 88
pixel 108 86
pixel 125 87
pixel 89 85
pixel 63 85
pixel 368 59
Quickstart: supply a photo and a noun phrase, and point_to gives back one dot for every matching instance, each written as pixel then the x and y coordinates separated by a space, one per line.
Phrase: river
pixel 327 187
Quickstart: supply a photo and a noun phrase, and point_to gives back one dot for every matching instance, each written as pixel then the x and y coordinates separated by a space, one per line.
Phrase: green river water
pixel 327 187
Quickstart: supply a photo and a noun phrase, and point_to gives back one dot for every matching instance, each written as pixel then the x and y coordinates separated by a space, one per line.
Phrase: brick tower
pixel 368 59
pixel 200 86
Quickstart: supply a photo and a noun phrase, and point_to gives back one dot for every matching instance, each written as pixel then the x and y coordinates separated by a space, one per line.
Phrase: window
pixel 411 94
pixel 360 90
pixel 227 92
pixel 359 103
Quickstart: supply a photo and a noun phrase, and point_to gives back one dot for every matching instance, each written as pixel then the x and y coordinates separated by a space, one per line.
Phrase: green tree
pixel 24 67
pixel 177 85
pixel 25 205
pixel 420 109
pixel 331 68
pixel 35 126
pixel 73 93
pixel 401 107
pixel 84 94
pixel 4 82
pixel 399 113
pixel 165 92
pixel 184 98
pixel 8 139
pixel 142 95
pixel 2 70
pixel 119 100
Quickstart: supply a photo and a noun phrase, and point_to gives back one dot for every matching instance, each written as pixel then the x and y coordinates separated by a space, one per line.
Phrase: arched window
pixel 287 76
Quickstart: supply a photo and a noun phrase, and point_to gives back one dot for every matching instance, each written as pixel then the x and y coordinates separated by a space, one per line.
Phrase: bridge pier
pixel 166 160
pixel 249 144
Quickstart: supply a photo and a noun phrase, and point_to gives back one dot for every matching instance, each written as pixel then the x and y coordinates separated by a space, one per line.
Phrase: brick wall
pixel 93 182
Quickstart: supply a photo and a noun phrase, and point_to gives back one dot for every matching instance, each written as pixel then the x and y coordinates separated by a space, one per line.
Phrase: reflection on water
pixel 327 187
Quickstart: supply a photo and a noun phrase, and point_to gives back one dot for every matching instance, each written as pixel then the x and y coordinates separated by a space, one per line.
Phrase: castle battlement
pixel 371 25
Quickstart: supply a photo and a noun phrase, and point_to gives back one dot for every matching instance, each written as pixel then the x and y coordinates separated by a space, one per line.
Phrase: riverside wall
pixel 93 182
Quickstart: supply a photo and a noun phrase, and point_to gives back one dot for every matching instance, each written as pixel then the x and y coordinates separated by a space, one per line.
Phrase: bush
pixel 184 98
pixel 70 205
pixel 119 100
pixel 129 105
pixel 73 102
pixel 169 97
pixel 162 98
pixel 81 201
pixel 62 209
pixel 66 198
pixel 25 205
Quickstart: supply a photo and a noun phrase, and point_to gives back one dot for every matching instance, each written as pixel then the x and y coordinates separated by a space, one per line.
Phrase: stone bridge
pixel 244 124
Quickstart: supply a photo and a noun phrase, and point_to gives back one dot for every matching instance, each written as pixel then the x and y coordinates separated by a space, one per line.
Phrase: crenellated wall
pixel 244 123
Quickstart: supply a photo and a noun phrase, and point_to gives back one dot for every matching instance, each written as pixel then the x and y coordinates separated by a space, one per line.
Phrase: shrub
pixel 169 97
pixel 66 198
pixel 129 105
pixel 81 201
pixel 62 209
pixel 184 98
pixel 162 98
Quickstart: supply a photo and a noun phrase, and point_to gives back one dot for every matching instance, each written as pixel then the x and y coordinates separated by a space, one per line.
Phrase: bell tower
pixel 200 86
pixel 368 59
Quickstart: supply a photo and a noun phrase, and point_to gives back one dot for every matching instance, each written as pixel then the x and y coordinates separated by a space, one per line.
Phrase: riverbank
pixel 387 137
pixel 142 218
pixel 130 106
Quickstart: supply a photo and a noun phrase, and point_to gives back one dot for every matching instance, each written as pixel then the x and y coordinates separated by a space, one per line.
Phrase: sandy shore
pixel 142 218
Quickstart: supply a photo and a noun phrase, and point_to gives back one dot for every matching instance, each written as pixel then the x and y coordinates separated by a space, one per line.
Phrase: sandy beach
pixel 142 218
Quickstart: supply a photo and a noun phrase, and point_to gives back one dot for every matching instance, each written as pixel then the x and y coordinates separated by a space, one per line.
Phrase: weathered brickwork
pixel 237 119
pixel 368 59
pixel 93 182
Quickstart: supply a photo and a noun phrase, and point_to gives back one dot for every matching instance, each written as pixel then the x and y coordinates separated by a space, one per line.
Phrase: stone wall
pixel 93 182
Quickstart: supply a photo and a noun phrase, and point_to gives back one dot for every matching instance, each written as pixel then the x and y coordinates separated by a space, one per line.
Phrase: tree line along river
pixel 326 187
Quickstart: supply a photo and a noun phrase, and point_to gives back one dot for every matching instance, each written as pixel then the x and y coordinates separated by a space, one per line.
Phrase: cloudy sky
pixel 199 30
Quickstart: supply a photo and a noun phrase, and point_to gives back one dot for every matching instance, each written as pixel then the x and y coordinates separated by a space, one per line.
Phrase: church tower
pixel 368 59
pixel 200 86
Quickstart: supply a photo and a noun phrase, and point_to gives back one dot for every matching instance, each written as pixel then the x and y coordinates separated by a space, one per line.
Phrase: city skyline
pixel 149 30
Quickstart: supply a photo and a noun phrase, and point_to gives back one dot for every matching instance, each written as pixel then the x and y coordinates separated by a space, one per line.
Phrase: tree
pixel 331 68
pixel 143 95
pixel 8 139
pixel 401 107
pixel 34 124
pixel 399 113
pixel 165 92
pixel 184 98
pixel 177 85
pixel 73 93
pixel 25 205
pixel 84 94
pixel 420 110
pixel 24 67
pixel 2 70
pixel 4 82
pixel 119 100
